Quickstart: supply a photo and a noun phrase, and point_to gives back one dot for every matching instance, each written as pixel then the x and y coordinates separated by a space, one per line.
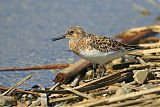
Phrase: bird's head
pixel 74 32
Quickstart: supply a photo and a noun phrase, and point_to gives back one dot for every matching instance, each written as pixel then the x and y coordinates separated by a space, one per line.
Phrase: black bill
pixel 58 38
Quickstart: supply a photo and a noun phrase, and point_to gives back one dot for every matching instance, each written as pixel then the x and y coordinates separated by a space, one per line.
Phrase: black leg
pixel 94 70
pixel 103 69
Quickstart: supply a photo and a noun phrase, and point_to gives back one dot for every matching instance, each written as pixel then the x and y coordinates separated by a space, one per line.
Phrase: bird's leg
pixel 103 69
pixel 94 70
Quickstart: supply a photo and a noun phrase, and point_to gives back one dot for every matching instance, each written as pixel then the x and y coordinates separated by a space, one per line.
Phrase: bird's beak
pixel 58 38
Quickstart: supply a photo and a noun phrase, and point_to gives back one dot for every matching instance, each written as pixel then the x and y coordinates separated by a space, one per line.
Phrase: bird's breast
pixel 77 45
pixel 73 46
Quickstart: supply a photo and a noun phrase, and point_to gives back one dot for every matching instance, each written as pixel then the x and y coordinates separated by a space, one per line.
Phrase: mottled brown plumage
pixel 105 44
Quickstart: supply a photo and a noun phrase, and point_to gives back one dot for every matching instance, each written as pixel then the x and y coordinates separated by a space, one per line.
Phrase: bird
pixel 97 49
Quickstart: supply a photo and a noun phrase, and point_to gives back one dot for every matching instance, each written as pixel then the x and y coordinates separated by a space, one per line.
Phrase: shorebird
pixel 97 49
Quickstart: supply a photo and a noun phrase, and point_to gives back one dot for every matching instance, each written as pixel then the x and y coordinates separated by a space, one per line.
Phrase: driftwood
pixel 122 97
pixel 106 80
pixel 133 35
pixel 72 71
pixel 132 102
pixel 78 93
pixel 51 66
pixel 111 77
pixel 69 98
pixel 72 98
pixel 98 83
pixel 117 77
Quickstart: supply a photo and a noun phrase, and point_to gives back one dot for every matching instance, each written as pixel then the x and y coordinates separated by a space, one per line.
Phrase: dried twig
pixel 69 98
pixel 51 66
pixel 151 45
pixel 122 97
pixel 151 57
pixel 21 91
pixel 147 51
pixel 130 103
pixel 76 81
pixel 78 93
pixel 56 85
pixel 141 61
pixel 10 90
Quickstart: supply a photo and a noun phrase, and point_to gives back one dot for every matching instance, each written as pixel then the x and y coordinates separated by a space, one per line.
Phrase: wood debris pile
pixel 133 80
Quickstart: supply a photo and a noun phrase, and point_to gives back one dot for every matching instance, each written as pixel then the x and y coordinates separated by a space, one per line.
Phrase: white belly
pixel 101 57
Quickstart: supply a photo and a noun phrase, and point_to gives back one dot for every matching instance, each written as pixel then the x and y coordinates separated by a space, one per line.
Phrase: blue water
pixel 26 27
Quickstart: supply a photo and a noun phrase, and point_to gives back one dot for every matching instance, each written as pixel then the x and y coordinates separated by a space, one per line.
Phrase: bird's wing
pixel 104 44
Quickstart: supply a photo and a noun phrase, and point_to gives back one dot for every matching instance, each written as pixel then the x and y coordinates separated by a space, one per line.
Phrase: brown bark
pixel 72 70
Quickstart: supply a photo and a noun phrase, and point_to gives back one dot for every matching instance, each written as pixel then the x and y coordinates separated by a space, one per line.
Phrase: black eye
pixel 71 32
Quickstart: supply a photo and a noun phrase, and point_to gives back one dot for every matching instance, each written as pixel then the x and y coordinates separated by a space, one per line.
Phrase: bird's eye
pixel 71 32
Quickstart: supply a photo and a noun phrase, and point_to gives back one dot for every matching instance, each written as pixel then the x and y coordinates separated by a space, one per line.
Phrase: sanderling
pixel 95 48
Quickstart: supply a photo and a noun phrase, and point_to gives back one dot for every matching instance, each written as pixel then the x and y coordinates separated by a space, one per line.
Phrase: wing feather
pixel 105 44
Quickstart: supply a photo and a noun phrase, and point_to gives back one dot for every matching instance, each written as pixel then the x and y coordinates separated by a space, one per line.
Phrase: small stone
pixel 113 88
pixel 104 95
pixel 157 74
pixel 140 76
pixel 30 96
pixel 28 102
pixel 24 97
pixel 89 74
pixel 120 91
